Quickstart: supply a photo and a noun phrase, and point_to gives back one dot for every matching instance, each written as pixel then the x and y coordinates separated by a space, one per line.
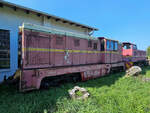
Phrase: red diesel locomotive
pixel 133 56
pixel 48 53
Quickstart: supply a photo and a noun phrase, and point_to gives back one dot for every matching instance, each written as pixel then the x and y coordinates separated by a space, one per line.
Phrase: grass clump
pixel 109 94
pixel 79 93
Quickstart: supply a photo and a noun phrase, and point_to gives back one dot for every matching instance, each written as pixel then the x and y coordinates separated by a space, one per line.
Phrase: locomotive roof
pixel 107 39
pixel 15 6
pixel 55 31
pixel 128 43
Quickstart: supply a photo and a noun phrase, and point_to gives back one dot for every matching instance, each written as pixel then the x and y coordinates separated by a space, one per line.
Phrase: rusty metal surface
pixel 31 79
pixel 40 50
pixel 45 55
pixel 34 59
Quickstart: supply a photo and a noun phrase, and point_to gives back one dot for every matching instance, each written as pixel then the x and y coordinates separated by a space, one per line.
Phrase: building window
pixel 59 40
pixel 76 42
pixel 4 49
pixel 95 46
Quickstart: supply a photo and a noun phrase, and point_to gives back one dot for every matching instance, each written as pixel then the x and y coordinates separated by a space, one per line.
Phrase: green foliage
pixel 109 94
pixel 148 52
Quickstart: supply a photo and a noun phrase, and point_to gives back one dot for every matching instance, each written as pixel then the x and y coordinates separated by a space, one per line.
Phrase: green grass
pixel 111 94
pixel 79 93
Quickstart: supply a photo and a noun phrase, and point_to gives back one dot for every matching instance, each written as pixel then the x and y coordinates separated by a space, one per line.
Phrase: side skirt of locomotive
pixel 139 63
pixel 31 79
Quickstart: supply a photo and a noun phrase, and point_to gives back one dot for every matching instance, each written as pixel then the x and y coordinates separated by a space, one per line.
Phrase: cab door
pixel 108 52
pixel 102 49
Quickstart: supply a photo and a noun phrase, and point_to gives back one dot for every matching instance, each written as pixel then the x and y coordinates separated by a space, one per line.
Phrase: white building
pixel 11 17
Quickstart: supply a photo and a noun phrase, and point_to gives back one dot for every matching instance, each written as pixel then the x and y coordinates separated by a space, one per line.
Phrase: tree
pixel 148 51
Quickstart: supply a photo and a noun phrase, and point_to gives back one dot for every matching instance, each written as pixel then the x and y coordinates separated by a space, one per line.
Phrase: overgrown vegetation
pixel 79 93
pixel 111 94
pixel 148 52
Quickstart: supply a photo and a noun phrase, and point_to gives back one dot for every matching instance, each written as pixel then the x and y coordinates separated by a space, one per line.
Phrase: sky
pixel 123 20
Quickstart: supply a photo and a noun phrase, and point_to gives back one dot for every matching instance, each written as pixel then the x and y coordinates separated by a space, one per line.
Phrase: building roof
pixel 28 10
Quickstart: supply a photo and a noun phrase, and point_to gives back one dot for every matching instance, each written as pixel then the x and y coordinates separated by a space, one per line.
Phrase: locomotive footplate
pixel 31 79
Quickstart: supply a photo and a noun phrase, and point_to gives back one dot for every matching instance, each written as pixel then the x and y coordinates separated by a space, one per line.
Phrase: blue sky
pixel 123 20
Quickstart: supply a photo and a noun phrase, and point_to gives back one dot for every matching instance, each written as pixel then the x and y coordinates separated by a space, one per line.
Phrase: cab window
pixel 108 45
pixel 112 46
pixel 134 47
pixel 115 46
pixel 127 46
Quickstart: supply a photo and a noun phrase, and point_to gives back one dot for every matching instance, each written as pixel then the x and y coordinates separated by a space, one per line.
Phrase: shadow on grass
pixel 13 101
pixel 145 69
pixel 106 80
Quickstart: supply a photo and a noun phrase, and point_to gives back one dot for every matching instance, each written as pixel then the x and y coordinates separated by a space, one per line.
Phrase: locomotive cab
pixel 111 54
pixel 108 44
pixel 128 48
pixel 132 55
pixel 109 50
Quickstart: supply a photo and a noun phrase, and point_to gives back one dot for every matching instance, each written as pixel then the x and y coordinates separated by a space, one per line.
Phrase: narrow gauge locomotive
pixel 47 53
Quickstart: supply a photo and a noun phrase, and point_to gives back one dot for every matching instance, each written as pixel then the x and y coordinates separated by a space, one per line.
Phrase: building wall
pixel 11 20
